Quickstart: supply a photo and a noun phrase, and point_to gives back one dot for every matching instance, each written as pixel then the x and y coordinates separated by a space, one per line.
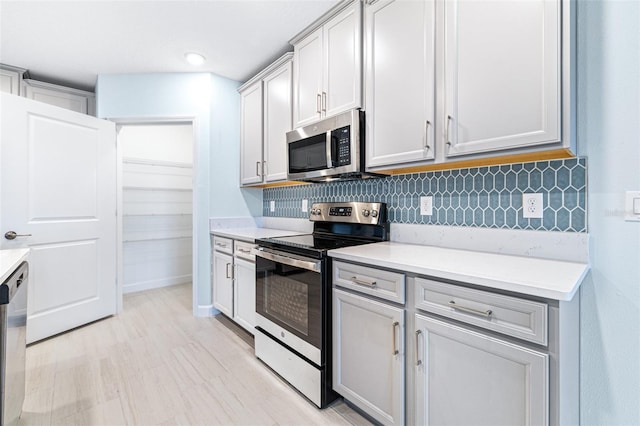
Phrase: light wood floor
pixel 155 364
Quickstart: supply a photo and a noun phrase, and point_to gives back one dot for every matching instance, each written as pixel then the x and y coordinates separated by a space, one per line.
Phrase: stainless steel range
pixel 293 293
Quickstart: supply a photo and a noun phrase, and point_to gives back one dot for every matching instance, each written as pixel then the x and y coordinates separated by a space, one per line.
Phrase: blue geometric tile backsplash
pixel 489 197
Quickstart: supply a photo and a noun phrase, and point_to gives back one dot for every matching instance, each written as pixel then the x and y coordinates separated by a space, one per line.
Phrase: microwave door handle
pixel 329 149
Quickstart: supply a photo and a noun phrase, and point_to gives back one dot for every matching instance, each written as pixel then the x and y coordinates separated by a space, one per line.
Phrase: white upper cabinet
pixel 277 122
pixel 265 119
pixel 328 66
pixel 399 81
pixel 11 79
pixel 502 74
pixel 251 134
pixel 308 79
pixel 64 97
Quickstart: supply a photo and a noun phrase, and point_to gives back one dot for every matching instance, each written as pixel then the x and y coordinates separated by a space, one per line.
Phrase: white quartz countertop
pixel 10 260
pixel 551 279
pixel 252 234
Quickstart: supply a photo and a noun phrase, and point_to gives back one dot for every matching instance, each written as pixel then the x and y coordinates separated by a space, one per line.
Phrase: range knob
pixel 374 213
pixel 365 212
pixel 315 212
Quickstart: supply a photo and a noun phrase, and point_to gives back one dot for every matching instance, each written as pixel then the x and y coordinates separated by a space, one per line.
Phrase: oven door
pixel 289 300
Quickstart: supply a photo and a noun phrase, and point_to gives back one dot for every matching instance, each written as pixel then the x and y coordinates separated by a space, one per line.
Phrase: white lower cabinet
pixel 223 283
pixel 244 294
pixel 368 355
pixel 234 280
pixel 415 350
pixel 463 377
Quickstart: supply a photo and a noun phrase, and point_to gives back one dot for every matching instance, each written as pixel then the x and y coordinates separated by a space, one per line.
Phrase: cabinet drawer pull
pixel 258 168
pixel 363 282
pixel 221 245
pixel 418 361
pixel 318 102
pixel 244 251
pixel 324 101
pixel 395 326
pixel 486 313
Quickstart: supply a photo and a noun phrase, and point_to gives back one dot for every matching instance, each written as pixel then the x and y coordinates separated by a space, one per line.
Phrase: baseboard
pixel 206 311
pixel 151 284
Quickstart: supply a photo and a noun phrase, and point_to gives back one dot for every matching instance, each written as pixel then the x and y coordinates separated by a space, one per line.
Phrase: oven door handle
pixel 310 265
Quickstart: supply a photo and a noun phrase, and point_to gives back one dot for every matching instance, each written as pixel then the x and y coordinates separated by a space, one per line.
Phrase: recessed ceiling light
pixel 194 58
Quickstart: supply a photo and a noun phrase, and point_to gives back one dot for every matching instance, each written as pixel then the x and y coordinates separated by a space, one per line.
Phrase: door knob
pixel 11 235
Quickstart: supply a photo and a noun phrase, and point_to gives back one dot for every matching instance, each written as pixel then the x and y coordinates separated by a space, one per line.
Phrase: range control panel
pixel 340 211
pixel 349 212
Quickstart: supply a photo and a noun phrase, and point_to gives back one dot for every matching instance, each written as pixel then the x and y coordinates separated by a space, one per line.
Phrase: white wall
pixel 213 102
pixel 609 135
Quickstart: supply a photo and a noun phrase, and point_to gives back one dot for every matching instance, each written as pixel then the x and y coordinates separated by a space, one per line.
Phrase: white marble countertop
pixel 252 234
pixel 551 279
pixel 10 260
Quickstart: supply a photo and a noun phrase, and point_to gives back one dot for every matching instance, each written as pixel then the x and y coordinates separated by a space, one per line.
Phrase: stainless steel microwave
pixel 330 149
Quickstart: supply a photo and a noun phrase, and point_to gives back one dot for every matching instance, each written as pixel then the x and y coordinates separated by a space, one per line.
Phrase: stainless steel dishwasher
pixel 13 343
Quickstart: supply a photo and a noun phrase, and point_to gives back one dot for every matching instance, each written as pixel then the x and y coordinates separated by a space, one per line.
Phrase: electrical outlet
pixel 272 206
pixel 532 206
pixel 426 205
pixel 305 205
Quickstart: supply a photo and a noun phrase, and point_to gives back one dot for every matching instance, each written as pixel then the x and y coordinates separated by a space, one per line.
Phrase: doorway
pixel 157 204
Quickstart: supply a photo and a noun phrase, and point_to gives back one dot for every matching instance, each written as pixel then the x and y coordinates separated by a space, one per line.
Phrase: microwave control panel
pixel 341 141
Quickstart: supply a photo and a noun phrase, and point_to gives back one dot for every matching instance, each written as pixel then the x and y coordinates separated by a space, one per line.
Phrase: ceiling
pixel 71 42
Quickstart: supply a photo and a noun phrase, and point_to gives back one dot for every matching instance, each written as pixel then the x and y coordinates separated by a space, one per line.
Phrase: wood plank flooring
pixel 156 364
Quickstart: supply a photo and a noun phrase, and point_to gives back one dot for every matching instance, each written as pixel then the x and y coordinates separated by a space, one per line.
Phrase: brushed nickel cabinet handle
pixel 395 326
pixel 257 168
pixel 324 101
pixel 418 361
pixel 227 270
pixel 264 168
pixel 457 307
pixel 449 118
pixel 318 103
pixel 426 135
pixel 363 282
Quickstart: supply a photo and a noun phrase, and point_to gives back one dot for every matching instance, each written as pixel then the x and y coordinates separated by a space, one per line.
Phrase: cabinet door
pixel 502 74
pixel 244 290
pixel 468 378
pixel 307 79
pixel 223 283
pixel 10 81
pixel 60 98
pixel 400 84
pixel 368 355
pixel 342 81
pixel 251 167
pixel 277 121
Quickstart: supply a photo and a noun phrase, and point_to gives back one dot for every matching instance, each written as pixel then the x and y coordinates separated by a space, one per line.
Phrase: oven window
pixel 288 301
pixel 290 297
pixel 308 154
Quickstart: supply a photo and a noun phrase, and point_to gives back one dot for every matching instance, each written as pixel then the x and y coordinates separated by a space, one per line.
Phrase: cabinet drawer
pixel 224 245
pixel 243 250
pixel 520 318
pixel 376 282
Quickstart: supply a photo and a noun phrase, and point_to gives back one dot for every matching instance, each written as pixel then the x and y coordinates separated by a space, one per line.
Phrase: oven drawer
pixel 376 282
pixel 512 316
pixel 222 244
pixel 242 250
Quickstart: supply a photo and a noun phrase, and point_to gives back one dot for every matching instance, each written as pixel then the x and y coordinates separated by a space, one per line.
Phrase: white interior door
pixel 58 184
